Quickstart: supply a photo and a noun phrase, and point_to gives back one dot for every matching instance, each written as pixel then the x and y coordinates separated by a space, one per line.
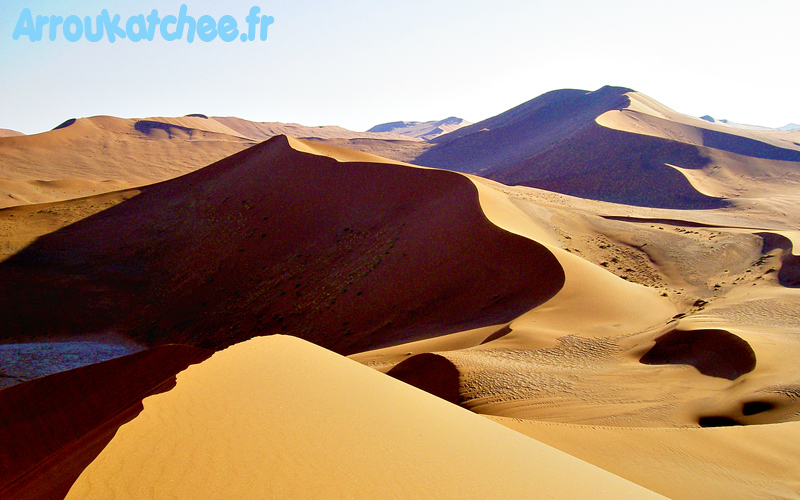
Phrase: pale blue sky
pixel 359 63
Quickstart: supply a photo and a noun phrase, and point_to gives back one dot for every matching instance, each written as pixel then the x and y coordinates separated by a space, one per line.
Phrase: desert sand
pixel 630 333
pixel 277 417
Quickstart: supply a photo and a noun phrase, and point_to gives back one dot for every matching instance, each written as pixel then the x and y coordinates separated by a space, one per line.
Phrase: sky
pixel 358 63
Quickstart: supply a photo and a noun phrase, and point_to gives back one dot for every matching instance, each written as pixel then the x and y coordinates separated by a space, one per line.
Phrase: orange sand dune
pixel 277 417
pixel 274 239
pixel 53 427
pixel 103 153
pixel 19 192
pixel 4 132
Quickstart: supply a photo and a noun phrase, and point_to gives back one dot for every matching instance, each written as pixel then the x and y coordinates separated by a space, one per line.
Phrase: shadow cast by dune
pixel 789 273
pixel 431 373
pixel 55 426
pixel 715 353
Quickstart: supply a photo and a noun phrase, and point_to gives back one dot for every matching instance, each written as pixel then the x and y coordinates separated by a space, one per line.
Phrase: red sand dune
pixel 273 239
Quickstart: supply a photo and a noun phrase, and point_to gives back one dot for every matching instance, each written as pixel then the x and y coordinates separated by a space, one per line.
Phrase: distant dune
pixel 94 155
pixel 422 130
pixel 88 156
pixel 4 132
pixel 262 131
pixel 598 145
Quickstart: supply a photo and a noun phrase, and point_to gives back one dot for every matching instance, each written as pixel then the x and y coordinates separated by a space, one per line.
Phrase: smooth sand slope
pixel 53 427
pixel 277 417
pixel 755 462
pixel 286 236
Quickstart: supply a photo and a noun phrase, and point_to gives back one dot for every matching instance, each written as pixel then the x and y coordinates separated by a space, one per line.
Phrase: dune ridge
pixel 250 404
pixel 240 249
pixel 620 146
pixel 54 426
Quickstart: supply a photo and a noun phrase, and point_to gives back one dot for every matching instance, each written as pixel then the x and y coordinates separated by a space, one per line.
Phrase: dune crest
pixel 277 417
pixel 273 239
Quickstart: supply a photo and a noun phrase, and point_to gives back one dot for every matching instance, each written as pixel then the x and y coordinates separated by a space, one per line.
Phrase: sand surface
pixel 277 417
pixel 643 319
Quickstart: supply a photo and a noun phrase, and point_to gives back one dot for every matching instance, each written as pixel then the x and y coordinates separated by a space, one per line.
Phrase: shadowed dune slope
pixel 521 132
pixel 789 272
pixel 277 417
pixel 349 255
pixel 612 144
pixel 53 427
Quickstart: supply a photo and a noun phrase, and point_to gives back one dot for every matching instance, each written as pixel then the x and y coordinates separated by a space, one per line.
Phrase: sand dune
pixel 654 341
pixel 53 427
pixel 620 146
pixel 262 131
pixel 20 192
pixel 280 418
pixel 102 154
pixel 286 236
pixel 422 130
pixel 4 132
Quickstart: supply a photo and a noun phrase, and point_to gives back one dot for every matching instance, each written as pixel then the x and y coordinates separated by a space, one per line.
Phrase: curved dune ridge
pixel 275 239
pixel 620 146
pixel 277 417
pixel 716 353
pixel 553 142
pixel 53 427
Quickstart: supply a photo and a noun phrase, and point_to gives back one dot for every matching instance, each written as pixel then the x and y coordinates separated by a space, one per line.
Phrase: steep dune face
pixel 349 254
pixel 277 417
pixel 53 427
pixel 615 145
pixel 522 132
